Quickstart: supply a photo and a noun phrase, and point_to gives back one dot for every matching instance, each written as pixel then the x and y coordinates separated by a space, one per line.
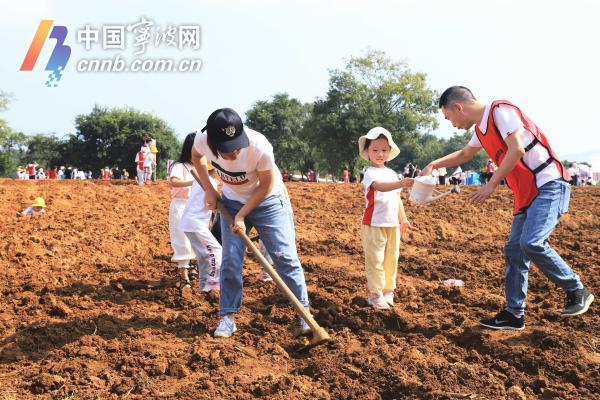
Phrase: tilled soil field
pixel 90 309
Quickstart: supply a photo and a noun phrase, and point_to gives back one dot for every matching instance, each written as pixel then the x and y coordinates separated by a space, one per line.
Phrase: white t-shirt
pixel 507 121
pixel 30 211
pixel 573 171
pixel 182 172
pixel 195 214
pixel 381 208
pixel 149 160
pixel 240 176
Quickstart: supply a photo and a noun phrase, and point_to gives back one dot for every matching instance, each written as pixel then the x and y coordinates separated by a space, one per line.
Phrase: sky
pixel 541 55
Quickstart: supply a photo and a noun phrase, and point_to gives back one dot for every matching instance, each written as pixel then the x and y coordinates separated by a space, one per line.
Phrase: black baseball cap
pixel 225 130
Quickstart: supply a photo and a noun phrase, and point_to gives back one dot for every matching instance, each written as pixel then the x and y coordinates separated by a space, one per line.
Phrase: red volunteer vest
pixel 140 163
pixel 521 180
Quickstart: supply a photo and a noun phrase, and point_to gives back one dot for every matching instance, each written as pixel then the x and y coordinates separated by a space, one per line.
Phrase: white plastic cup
pixel 453 283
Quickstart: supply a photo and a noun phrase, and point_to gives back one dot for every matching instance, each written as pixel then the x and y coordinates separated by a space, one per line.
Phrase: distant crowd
pixel 34 171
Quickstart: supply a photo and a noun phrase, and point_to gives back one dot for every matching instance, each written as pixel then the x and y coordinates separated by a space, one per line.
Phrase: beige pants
pixel 382 248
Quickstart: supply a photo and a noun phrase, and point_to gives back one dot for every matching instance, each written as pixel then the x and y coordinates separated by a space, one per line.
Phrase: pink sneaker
pixel 389 298
pixel 378 301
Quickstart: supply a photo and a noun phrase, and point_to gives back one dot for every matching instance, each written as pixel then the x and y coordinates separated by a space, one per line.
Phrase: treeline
pixel 372 90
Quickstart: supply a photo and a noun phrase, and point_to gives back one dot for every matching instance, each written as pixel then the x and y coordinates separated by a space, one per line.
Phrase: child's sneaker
pixel 226 327
pixel 264 276
pixel 211 285
pixel 389 298
pixel 378 301
pixel 184 284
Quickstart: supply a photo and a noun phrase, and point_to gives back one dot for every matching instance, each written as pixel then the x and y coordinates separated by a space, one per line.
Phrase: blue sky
pixel 542 55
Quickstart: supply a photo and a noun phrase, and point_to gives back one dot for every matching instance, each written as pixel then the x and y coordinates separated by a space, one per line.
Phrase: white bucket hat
pixel 374 134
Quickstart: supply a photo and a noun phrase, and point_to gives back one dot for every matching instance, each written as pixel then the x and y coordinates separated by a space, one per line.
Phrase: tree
pixel 372 91
pixel 111 137
pixel 282 121
pixel 12 144
pixel 46 150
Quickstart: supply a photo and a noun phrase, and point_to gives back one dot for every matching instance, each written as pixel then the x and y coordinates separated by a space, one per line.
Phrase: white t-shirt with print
pixel 381 208
pixel 240 176
pixel 195 214
pixel 507 121
pixel 182 172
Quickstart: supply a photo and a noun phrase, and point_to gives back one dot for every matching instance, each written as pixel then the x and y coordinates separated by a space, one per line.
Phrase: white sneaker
pixel 303 328
pixel 378 301
pixel 226 327
pixel 211 285
pixel 389 298
pixel 264 276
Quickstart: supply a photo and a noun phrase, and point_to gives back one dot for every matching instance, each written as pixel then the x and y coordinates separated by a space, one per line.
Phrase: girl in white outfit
pixel 181 180
pixel 195 223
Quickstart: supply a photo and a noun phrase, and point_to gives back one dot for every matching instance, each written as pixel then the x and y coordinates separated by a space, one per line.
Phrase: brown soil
pixel 89 307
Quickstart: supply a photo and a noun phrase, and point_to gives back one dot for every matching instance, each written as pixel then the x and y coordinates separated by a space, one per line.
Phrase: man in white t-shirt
pixel 254 195
pixel 538 181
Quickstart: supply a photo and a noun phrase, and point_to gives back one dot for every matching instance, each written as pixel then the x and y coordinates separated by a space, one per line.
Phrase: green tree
pixel 372 90
pixel 46 150
pixel 111 137
pixel 12 144
pixel 460 140
pixel 282 121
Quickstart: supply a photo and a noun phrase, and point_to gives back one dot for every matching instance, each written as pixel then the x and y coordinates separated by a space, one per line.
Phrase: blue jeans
pixel 274 221
pixel 528 241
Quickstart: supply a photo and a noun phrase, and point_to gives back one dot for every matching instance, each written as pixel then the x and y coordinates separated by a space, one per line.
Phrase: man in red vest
pixel 538 181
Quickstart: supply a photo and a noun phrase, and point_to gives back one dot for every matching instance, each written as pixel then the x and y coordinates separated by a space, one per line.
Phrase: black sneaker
pixel 504 320
pixel 578 301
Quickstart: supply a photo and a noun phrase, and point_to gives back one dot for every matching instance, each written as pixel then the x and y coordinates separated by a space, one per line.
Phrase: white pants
pixel 140 176
pixel 182 249
pixel 209 254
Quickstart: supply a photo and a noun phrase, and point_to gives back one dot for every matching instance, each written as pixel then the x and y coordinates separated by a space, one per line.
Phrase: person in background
pixel 574 172
pixel 38 206
pixel 40 174
pixel 31 169
pixel 140 157
pixel 52 173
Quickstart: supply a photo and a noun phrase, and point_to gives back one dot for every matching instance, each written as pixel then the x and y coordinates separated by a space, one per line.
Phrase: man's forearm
pixel 508 163
pixel 451 160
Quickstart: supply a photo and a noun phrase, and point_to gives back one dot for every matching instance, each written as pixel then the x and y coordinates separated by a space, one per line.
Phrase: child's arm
pixel 404 224
pixel 389 186
pixel 176 182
